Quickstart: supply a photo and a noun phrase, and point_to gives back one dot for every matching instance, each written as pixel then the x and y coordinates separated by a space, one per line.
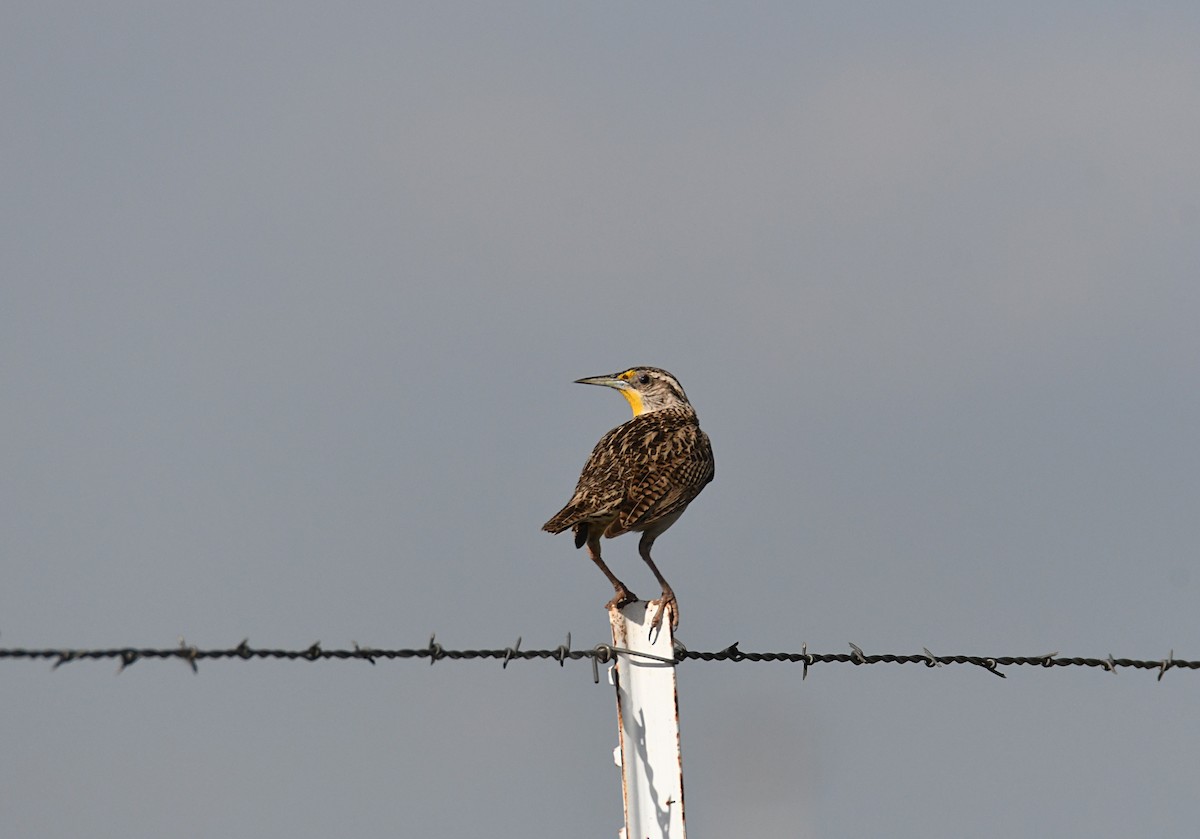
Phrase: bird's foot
pixel 623 597
pixel 666 603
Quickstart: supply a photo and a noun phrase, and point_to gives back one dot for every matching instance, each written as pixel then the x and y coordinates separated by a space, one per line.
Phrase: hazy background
pixel 291 300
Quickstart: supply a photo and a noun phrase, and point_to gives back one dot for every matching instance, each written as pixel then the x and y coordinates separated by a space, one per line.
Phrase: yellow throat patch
pixel 634 399
pixel 632 396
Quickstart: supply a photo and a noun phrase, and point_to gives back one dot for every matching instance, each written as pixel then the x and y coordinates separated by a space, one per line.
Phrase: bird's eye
pixel 644 379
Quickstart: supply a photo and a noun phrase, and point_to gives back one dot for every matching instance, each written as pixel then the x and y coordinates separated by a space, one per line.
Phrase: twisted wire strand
pixel 599 654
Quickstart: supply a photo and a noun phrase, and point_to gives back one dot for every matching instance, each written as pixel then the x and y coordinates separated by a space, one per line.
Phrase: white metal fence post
pixel 648 717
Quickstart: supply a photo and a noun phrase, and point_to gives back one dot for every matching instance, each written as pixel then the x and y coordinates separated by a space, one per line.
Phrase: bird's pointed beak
pixel 606 381
pixel 622 387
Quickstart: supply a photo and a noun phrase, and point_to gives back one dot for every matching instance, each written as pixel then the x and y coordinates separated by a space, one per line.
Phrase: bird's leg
pixel 667 601
pixel 623 594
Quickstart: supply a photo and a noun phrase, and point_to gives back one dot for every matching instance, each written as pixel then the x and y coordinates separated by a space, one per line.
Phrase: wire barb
pixel 510 652
pixel 563 651
pixel 1167 664
pixel 128 657
pixel 989 664
pixel 189 654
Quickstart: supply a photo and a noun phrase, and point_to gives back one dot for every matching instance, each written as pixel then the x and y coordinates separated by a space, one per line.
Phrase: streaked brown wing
pixel 640 471
pixel 674 467
pixel 600 490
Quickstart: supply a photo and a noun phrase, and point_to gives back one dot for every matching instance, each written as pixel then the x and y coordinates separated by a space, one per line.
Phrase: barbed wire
pixel 597 655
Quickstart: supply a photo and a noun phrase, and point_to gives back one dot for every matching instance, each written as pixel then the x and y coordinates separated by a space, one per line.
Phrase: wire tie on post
pixel 930 658
pixel 858 657
pixel 509 652
pixel 679 649
pixel 638 654
pixel 600 653
pixel 1168 662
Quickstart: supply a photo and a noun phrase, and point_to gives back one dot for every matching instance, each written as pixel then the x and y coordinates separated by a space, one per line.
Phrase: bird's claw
pixel 666 603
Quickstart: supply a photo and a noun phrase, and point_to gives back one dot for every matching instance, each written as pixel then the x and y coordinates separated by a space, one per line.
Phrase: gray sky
pixel 291 299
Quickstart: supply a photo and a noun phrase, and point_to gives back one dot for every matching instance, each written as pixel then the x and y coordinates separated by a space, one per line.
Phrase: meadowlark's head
pixel 645 388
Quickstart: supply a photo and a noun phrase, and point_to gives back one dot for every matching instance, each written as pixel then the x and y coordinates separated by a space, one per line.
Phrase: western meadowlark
pixel 641 475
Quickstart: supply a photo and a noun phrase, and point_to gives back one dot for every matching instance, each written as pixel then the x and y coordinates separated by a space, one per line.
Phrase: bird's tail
pixel 568 516
pixel 561 520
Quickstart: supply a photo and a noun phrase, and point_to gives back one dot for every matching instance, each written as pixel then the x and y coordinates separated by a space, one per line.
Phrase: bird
pixel 640 477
